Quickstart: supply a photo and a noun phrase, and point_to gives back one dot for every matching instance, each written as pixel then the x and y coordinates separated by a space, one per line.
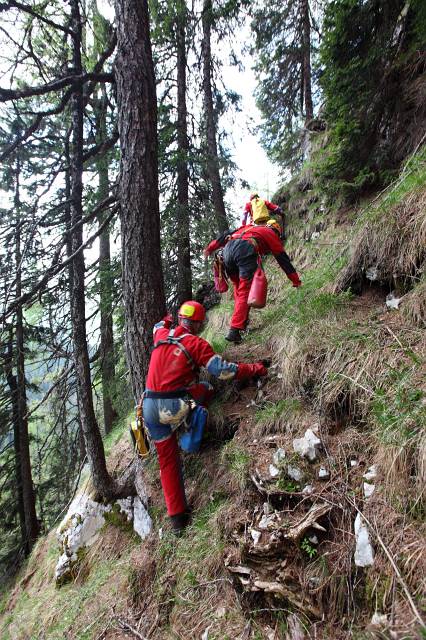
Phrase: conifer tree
pixel 284 44
pixel 143 287
pixel 207 18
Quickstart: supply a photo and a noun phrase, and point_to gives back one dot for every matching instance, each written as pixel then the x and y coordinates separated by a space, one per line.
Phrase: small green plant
pixel 308 548
pixel 283 484
pixel 237 461
pixel 281 409
pixel 398 408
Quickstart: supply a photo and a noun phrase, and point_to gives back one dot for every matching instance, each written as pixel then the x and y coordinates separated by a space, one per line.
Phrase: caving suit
pixel 241 254
pixel 170 385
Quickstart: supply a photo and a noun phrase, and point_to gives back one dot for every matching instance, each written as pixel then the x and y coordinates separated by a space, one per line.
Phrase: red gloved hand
pixel 250 370
pixel 168 321
pixel 295 279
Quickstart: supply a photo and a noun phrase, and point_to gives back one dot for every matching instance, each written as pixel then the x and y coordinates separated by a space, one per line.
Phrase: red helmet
pixel 192 310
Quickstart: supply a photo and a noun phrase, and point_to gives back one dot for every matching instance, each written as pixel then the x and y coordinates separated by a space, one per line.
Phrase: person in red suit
pixel 241 252
pixel 171 383
pixel 263 207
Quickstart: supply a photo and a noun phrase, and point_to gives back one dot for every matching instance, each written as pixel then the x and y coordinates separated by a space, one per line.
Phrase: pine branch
pixel 102 147
pixel 55 85
pixel 12 4
pixel 55 268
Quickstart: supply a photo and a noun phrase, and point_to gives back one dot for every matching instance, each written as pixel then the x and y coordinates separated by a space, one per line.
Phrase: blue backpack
pixel 190 439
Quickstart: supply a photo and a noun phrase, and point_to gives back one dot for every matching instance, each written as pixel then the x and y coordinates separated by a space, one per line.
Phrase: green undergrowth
pixel 302 307
pixel 411 179
pixel 121 427
pixel 78 609
pixel 282 409
pixel 237 461
pixel 399 408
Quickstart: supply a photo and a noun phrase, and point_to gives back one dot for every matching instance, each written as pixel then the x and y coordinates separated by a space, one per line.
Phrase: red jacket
pixel 170 369
pixel 266 239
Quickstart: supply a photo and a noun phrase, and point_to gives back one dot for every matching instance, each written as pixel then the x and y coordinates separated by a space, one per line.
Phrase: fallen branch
pixel 126 626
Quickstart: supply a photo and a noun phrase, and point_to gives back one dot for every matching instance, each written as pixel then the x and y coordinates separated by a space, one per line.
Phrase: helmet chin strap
pixel 193 326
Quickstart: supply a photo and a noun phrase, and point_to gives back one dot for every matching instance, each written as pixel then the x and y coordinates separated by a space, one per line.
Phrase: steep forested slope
pixel 308 495
pixel 272 550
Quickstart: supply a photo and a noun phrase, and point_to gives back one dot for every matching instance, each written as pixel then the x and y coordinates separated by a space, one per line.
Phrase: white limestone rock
pixel 278 457
pixel 308 446
pixel 273 471
pixel 78 530
pixel 372 274
pixel 364 554
pixel 379 620
pixel 371 473
pixel 126 507
pixel 308 490
pixel 392 302
pixel 266 521
pixel 323 474
pixel 266 508
pixel 295 473
pixel 255 536
pixel 142 522
pixel 81 526
pixel 368 489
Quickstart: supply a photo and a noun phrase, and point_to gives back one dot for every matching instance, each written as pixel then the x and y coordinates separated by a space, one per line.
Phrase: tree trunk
pixel 184 275
pixel 70 268
pixel 143 286
pixel 105 278
pixel 93 440
pixel 32 528
pixel 212 154
pixel 307 74
pixel 13 386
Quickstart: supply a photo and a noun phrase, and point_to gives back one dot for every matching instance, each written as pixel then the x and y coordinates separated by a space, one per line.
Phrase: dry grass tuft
pixel 394 242
pixel 413 305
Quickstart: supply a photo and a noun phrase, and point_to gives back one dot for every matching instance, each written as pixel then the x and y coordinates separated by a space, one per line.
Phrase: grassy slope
pixel 342 361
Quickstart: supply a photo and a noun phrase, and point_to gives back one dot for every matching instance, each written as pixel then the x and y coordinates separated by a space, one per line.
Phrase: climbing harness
pixel 176 340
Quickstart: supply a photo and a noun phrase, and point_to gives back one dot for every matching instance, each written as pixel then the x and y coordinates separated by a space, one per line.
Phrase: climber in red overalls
pixel 172 381
pixel 258 210
pixel 241 252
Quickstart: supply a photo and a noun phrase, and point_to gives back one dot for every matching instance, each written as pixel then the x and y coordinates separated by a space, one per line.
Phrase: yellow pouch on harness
pixel 139 434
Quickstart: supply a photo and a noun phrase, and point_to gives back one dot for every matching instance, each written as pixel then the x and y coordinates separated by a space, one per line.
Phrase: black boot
pixel 234 335
pixel 179 521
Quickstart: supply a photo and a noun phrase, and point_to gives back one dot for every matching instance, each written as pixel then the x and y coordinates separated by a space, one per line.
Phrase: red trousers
pixel 241 308
pixel 171 475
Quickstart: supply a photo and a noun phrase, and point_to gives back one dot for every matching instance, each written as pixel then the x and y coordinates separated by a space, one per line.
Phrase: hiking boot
pixel 234 336
pixel 179 522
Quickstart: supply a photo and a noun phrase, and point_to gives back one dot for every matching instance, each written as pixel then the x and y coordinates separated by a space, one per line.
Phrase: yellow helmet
pixel 273 224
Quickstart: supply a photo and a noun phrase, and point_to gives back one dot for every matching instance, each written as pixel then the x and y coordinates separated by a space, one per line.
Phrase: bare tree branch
pixel 55 268
pixel 60 83
pixel 12 4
